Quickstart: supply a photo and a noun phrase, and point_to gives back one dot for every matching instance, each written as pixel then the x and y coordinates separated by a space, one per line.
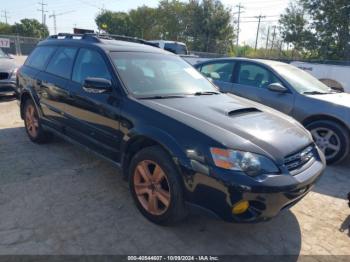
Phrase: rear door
pixel 94 118
pixel 220 72
pixel 251 80
pixel 53 85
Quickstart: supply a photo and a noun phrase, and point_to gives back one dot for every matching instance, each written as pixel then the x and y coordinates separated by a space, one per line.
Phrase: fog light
pixel 240 207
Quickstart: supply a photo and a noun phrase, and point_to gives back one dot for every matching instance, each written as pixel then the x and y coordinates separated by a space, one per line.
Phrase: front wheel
pixel 156 186
pixel 331 138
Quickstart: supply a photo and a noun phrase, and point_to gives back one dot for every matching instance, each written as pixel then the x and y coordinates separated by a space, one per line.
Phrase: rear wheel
pixel 156 186
pixel 32 124
pixel 331 138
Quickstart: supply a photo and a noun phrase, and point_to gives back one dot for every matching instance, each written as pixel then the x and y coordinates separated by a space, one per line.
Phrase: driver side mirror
pixel 277 87
pixel 97 85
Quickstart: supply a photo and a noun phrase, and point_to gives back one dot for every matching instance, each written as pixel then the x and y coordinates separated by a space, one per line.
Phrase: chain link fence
pixel 20 45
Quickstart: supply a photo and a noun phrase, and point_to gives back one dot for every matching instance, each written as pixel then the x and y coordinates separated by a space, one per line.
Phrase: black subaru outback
pixel 176 138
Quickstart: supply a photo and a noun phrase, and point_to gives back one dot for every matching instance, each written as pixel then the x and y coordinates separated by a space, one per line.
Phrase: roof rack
pixel 98 37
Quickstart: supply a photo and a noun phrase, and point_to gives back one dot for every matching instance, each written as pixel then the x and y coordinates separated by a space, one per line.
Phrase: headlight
pixel 14 72
pixel 249 163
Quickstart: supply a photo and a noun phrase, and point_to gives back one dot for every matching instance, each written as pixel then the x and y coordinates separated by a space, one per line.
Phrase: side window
pixel 89 63
pixel 62 62
pixel 39 57
pixel 255 75
pixel 218 71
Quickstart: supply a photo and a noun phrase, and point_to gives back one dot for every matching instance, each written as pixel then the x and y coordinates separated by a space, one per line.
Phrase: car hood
pixel 342 99
pixel 7 65
pixel 237 123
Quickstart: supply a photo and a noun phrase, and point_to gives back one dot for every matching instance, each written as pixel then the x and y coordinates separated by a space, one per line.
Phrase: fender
pixel 168 142
pixel 29 91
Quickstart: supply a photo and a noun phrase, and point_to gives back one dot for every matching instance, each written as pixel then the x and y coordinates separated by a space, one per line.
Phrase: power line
pixel 265 16
pixel 256 21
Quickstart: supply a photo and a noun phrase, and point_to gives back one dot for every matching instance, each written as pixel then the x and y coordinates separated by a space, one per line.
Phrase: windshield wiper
pixel 161 97
pixel 206 93
pixel 316 93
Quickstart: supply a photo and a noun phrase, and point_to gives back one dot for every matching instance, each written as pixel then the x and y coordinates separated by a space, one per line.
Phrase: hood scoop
pixel 243 111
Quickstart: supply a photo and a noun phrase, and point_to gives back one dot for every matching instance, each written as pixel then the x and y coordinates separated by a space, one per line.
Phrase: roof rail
pixel 74 36
pixel 96 37
pixel 131 39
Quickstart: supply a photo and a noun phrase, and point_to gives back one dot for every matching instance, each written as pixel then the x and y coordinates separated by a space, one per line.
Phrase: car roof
pixel 259 61
pixel 109 45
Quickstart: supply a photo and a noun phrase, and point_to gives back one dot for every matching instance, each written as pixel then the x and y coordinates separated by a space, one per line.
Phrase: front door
pixel 252 81
pixel 94 118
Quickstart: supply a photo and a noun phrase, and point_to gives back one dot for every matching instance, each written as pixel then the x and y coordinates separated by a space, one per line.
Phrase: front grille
pixel 4 75
pixel 299 159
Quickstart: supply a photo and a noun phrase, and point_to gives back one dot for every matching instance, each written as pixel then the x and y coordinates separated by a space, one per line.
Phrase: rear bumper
pixel 267 197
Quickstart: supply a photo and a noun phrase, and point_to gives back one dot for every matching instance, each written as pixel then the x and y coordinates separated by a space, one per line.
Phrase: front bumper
pixel 8 86
pixel 220 191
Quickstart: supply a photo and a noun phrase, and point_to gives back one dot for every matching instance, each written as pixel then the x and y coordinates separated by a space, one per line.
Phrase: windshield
pixel 300 80
pixel 149 74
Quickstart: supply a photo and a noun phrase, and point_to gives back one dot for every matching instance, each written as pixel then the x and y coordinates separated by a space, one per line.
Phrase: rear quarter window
pixel 40 56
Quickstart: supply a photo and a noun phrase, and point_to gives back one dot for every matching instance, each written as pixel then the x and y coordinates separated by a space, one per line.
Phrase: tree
pixel 209 24
pixel 31 28
pixel 326 36
pixel 202 25
pixel 171 19
pixel 118 23
pixel 331 27
pixel 5 28
pixel 295 28
pixel 144 22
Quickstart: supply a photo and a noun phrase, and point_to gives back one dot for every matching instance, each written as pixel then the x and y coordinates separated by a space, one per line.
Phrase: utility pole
pixel 257 31
pixel 238 21
pixel 5 15
pixel 273 37
pixel 267 38
pixel 43 11
pixel 54 15
pixel 54 22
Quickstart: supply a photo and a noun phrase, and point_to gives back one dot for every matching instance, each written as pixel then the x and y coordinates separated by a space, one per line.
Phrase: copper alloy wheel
pixel 32 122
pixel 152 187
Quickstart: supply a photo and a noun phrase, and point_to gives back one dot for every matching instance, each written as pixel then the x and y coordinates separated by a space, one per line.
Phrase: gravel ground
pixel 59 199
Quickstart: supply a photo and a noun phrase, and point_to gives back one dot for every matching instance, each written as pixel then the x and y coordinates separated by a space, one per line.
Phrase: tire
pixel 148 196
pixel 332 138
pixel 32 124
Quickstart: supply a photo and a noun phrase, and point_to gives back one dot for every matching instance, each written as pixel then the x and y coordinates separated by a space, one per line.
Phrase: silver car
pixel 325 112
pixel 8 70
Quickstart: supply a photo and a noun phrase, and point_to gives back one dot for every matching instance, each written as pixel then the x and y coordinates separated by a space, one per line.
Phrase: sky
pixel 82 13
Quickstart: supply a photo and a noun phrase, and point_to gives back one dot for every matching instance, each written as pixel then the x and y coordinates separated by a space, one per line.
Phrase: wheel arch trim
pixel 28 92
pixel 319 117
pixel 148 136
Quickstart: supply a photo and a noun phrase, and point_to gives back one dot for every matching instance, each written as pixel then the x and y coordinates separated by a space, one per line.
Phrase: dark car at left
pixel 8 70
